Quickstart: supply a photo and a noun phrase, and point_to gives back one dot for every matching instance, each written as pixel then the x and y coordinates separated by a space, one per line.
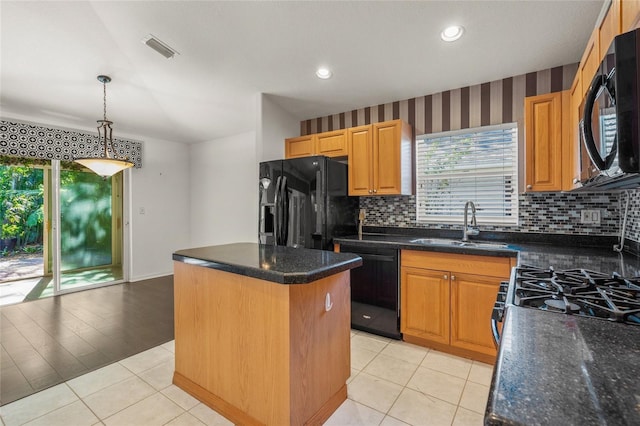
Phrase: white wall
pixel 161 188
pixel 224 191
pixel 274 126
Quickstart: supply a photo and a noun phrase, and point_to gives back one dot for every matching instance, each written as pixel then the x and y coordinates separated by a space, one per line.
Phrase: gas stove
pixel 578 292
pixel 581 292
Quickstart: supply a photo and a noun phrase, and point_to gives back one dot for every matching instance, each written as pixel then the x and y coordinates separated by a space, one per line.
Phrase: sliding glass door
pixel 67 218
pixel 90 229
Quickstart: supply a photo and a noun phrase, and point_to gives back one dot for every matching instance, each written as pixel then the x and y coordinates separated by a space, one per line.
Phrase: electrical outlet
pixel 590 217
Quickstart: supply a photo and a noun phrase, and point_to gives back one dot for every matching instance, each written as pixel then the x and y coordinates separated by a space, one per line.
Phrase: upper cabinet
pixel 330 144
pixel 629 13
pixel 380 161
pixel 543 142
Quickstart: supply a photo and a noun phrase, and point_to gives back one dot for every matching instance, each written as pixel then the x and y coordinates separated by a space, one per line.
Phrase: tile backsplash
pixel 633 219
pixel 551 212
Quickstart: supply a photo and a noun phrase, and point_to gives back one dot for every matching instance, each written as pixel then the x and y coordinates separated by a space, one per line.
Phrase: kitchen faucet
pixel 469 230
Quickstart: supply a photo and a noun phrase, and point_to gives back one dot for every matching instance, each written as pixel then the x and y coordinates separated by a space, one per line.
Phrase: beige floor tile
pixel 147 359
pixel 449 364
pixel 437 384
pixel 76 414
pixel 350 413
pixel 474 397
pixel 405 351
pixel 360 357
pixel 416 408
pixel 160 376
pixel 392 369
pixel 366 341
pixel 354 373
pixel 390 421
pixel 119 396
pixel 104 377
pixel 151 411
pixel 170 346
pixel 185 419
pixel 180 397
pixel 373 392
pixel 208 416
pixel 466 417
pixel 481 373
pixel 36 405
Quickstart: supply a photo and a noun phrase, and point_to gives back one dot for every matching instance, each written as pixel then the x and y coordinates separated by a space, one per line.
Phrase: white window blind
pixel 478 164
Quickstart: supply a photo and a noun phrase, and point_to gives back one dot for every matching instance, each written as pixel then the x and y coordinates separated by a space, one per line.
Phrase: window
pixel 478 164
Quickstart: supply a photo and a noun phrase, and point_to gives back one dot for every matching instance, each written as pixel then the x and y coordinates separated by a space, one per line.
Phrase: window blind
pixel 478 164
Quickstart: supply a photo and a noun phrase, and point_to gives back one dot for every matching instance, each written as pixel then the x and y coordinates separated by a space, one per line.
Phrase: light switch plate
pixel 590 217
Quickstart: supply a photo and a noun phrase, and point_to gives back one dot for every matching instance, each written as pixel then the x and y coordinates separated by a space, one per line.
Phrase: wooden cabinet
pixel 543 142
pixel 590 61
pixel 445 307
pixel 629 14
pixel 425 304
pixel 330 144
pixel 302 146
pixel 380 161
pixel 607 30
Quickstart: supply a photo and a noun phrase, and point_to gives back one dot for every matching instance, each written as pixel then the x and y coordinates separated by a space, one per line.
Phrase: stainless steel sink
pixel 457 243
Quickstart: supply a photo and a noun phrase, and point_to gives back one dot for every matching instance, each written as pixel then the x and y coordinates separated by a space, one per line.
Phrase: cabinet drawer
pixel 462 263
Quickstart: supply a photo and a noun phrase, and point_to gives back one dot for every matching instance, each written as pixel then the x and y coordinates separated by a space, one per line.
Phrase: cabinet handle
pixel 375 191
pixel 453 277
pixel 445 277
pixel 370 191
pixel 529 187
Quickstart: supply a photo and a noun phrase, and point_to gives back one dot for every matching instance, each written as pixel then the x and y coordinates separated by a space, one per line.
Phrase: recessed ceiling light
pixel 324 73
pixel 452 33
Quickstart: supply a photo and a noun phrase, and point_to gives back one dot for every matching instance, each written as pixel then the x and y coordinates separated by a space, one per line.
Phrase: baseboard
pixel 148 277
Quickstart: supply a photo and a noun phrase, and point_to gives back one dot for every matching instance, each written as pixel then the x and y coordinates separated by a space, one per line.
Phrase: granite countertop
pixel 540 250
pixel 283 265
pixel 557 369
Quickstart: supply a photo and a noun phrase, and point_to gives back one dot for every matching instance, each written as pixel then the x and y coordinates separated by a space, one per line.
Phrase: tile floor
pixel 392 383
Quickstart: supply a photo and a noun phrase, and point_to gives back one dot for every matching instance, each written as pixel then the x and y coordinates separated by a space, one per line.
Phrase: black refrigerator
pixel 304 202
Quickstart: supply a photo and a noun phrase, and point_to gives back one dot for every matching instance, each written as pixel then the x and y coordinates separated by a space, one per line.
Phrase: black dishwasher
pixel 375 291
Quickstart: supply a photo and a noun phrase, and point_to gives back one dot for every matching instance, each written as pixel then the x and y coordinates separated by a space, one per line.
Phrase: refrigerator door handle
pixel 285 211
pixel 276 212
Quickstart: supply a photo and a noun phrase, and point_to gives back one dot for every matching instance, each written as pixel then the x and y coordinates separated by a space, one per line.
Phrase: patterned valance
pixel 49 143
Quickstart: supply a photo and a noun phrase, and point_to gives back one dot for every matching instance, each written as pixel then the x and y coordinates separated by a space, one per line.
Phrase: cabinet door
pixel 425 304
pixel 359 141
pixel 543 143
pixel 332 144
pixel 609 28
pixel 302 146
pixel 386 158
pixel 590 60
pixel 629 14
pixel 472 299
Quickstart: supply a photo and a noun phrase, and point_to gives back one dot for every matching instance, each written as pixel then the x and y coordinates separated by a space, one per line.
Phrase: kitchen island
pixel 262 333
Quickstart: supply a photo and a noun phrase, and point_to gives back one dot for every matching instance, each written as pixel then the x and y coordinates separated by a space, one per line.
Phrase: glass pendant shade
pixel 105 165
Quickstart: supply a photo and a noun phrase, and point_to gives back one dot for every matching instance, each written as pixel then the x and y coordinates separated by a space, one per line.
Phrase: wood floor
pixel 49 341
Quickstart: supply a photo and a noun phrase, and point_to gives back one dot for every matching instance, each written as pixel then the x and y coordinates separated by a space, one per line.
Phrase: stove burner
pixel 579 292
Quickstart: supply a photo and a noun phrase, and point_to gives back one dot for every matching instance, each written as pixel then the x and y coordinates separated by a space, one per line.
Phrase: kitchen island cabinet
pixel 262 333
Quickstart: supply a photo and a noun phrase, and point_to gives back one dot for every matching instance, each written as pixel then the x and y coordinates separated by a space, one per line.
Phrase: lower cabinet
pixel 445 307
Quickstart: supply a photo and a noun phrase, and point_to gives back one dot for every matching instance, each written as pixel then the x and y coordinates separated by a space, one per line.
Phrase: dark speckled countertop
pixel 558 251
pixel 557 369
pixel 283 265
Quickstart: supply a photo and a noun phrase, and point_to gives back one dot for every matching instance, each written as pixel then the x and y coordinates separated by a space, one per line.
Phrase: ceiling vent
pixel 159 46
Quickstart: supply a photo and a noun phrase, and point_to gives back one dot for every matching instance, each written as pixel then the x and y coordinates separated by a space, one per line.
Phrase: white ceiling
pixel 51 53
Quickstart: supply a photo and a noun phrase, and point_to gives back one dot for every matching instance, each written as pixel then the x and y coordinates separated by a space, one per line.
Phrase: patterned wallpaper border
pixel 40 142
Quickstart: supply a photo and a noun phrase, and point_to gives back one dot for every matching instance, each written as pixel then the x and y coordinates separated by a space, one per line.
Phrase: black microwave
pixel 610 125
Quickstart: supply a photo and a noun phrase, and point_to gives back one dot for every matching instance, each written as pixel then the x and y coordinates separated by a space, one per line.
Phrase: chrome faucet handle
pixel 472 230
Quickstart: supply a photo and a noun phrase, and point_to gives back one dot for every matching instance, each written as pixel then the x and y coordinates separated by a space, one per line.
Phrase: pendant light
pixel 105 165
